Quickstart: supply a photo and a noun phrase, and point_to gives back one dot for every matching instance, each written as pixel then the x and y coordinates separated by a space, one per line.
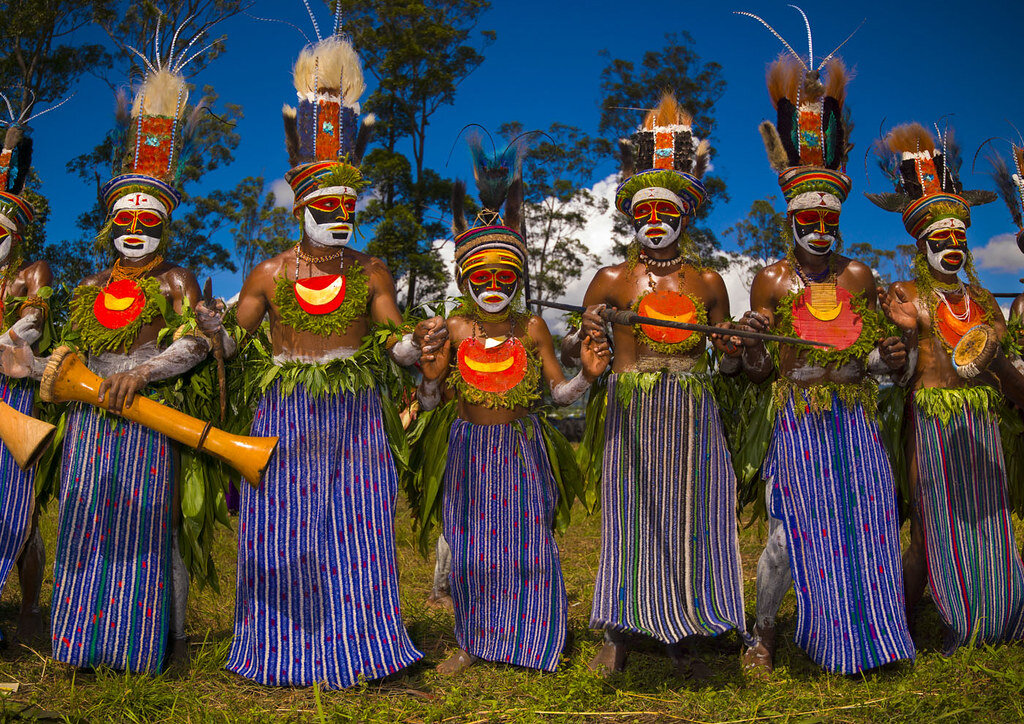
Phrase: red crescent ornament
pixel 842 331
pixel 951 328
pixel 498 369
pixel 669 305
pixel 119 304
pixel 320 295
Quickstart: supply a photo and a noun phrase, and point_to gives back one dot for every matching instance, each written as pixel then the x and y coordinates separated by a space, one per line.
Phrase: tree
pixel 759 235
pixel 558 170
pixel 418 51
pixel 212 141
pixel 627 89
pixel 39 65
pixel 259 227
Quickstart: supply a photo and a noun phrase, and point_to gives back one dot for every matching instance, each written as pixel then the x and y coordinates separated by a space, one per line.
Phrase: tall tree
pixel 418 52
pixel 259 226
pixel 558 170
pixel 41 58
pixel 213 140
pixel 628 88
pixel 759 235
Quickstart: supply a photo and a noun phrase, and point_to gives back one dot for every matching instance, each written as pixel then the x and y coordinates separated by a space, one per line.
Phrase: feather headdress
pixel 154 133
pixel 664 154
pixel 499 182
pixel 808 143
pixel 928 187
pixel 324 140
pixel 1010 186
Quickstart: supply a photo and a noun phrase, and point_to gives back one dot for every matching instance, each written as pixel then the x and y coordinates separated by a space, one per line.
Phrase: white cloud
pixel 1000 253
pixel 283 194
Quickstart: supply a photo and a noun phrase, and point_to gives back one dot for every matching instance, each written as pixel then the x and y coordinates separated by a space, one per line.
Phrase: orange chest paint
pixel 498 369
pixel 950 327
pixel 320 295
pixel 119 304
pixel 671 306
pixel 839 325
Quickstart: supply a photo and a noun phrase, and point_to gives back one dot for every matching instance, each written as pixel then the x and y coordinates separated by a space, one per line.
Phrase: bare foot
pixel 610 659
pixel 179 659
pixel 456 663
pixel 30 626
pixel 441 601
pixel 757 660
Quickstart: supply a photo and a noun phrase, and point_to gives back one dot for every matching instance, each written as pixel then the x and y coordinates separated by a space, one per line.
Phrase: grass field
pixel 984 684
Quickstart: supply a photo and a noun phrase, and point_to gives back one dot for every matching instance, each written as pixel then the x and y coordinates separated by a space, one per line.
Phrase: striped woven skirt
pixel 506 577
pixel 111 572
pixel 670 561
pixel 974 570
pixel 317 594
pixel 17 486
pixel 831 485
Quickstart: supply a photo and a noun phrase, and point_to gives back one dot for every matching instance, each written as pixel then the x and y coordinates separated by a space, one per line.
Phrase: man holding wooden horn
pixel 23 309
pixel 119 580
pixel 833 523
pixel 317 595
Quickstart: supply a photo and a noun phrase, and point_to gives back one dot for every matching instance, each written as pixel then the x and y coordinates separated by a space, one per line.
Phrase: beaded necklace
pixel 120 272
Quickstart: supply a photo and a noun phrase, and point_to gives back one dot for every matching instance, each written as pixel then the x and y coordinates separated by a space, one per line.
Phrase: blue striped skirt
pixel 974 569
pixel 17 486
pixel 831 485
pixel 111 571
pixel 506 578
pixel 670 559
pixel 317 594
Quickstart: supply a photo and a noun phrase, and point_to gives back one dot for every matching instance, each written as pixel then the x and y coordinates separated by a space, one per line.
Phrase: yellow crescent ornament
pixel 117 304
pixel 489 367
pixel 319 296
pixel 824 316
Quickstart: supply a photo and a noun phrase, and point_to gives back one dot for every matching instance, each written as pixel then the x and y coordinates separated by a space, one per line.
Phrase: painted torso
pixel 498 367
pixel 936 336
pixel 681 293
pixel 821 317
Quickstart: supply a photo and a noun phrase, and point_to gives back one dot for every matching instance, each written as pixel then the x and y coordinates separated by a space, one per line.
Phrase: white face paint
pixel 493 301
pixel 331 233
pixel 946 245
pixel 138 225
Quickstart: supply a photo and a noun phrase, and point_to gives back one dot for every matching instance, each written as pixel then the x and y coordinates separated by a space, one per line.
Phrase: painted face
pixel 137 231
pixel 946 243
pixel 815 230
pixel 493 287
pixel 327 220
pixel 657 222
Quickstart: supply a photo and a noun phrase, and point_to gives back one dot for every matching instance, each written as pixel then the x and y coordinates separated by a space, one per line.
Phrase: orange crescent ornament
pixel 498 369
pixel 320 295
pixel 119 304
pixel 951 328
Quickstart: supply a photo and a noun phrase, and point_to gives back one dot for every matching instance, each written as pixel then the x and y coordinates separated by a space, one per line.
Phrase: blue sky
pixel 913 61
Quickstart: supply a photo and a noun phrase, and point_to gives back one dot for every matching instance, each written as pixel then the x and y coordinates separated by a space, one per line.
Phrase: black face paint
pixel 330 209
pixel 488 284
pixel 820 221
pixel 138 222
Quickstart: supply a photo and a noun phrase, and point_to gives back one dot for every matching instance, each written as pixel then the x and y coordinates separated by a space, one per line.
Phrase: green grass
pixel 984 684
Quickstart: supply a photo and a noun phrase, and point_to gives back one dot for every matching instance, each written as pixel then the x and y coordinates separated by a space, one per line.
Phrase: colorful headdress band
pixel 324 140
pixel 500 186
pixel 927 187
pixel 154 132
pixel 807 145
pixel 664 153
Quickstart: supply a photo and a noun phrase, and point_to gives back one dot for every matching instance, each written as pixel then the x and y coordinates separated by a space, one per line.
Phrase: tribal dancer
pixel 501 490
pixel 317 593
pixel 119 580
pixel 961 530
pixel 670 563
pixel 23 309
pixel 833 521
